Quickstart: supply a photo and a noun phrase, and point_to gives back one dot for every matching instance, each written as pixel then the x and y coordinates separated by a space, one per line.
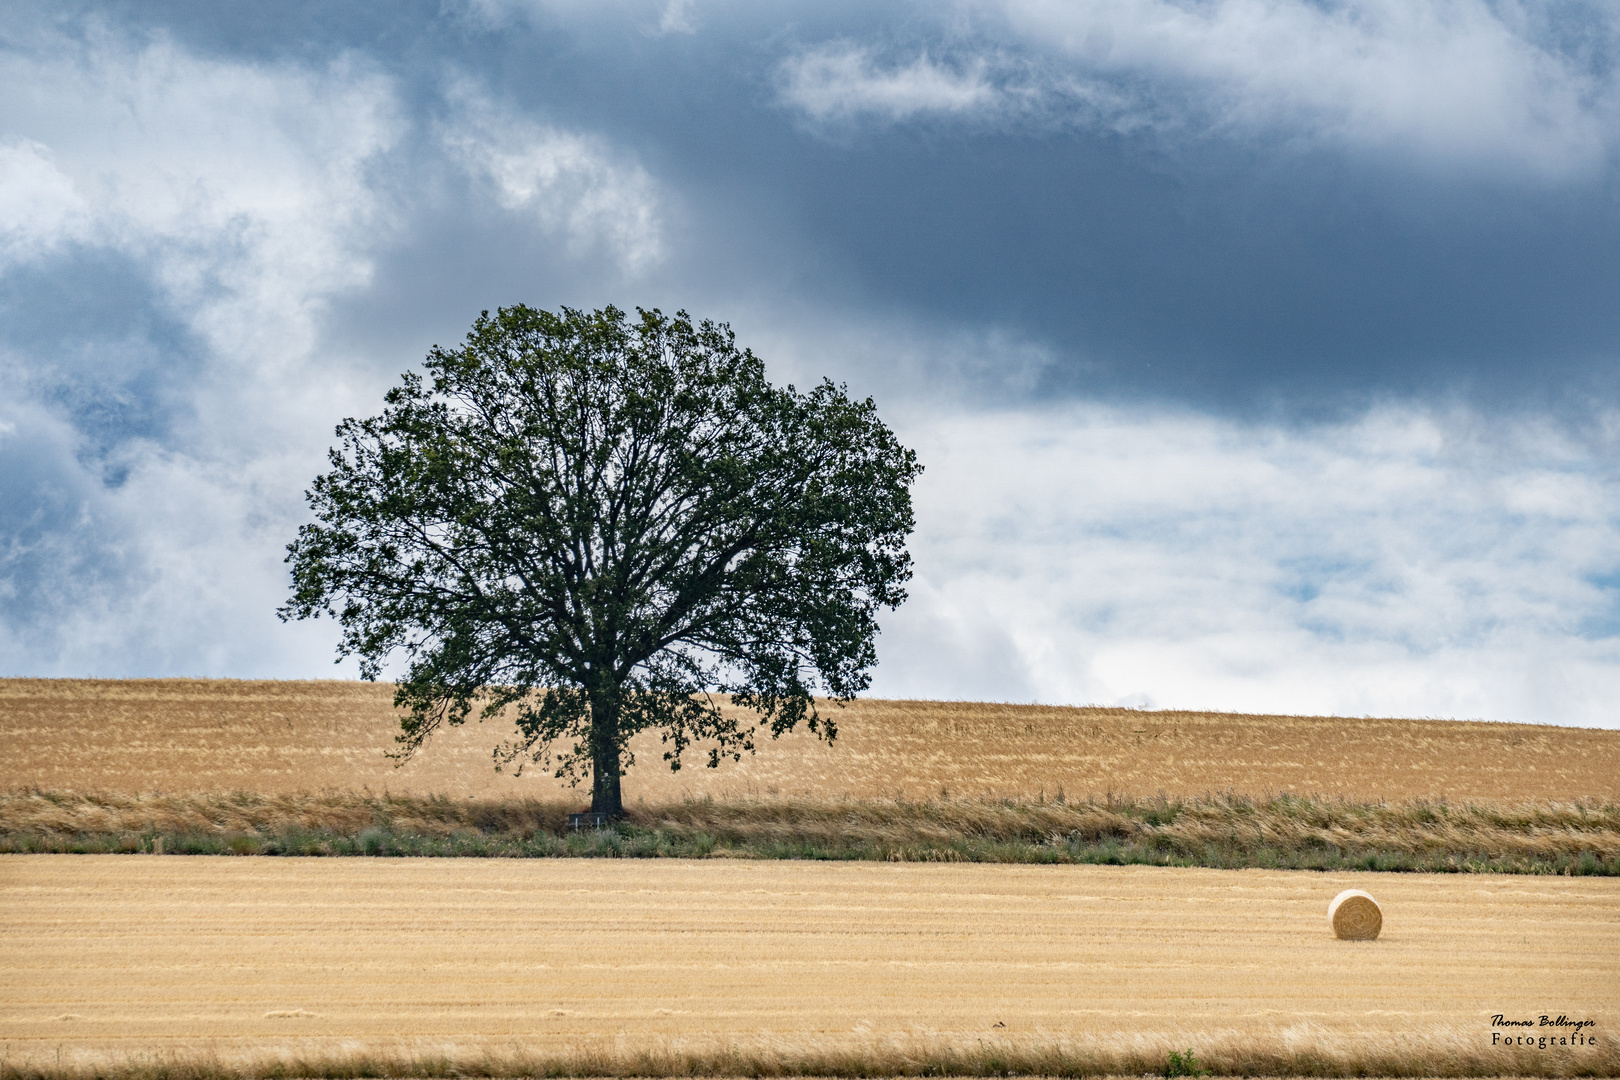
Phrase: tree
pixel 607 526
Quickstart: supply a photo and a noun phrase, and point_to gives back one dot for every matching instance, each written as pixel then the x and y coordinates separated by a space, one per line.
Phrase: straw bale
pixel 1355 916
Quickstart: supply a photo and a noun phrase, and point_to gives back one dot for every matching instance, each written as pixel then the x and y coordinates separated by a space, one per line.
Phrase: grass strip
pixel 1285 832
pixel 1336 1056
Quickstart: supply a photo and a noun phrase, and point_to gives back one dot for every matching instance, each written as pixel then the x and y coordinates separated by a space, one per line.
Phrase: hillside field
pixel 179 736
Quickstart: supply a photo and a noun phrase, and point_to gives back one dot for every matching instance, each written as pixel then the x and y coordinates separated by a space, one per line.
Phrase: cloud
pixel 1459 82
pixel 575 186
pixel 176 571
pixel 39 208
pixel 205 260
pixel 243 200
pixel 677 18
pixel 841 80
pixel 1406 563
pixel 236 196
pixel 239 189
pixel 653 17
pixel 220 173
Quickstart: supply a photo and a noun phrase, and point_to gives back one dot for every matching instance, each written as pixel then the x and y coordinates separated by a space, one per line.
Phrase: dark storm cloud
pixel 1272 247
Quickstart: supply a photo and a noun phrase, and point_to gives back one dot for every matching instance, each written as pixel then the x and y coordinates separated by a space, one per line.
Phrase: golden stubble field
pixel 179 736
pixel 109 964
pixel 105 956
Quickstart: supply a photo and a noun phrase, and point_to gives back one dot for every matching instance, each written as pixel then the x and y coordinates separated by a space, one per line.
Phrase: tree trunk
pixel 605 797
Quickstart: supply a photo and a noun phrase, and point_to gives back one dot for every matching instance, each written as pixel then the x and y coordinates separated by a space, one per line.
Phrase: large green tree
pixel 607 525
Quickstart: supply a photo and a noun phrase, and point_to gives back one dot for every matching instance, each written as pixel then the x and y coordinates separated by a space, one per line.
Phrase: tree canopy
pixel 607 525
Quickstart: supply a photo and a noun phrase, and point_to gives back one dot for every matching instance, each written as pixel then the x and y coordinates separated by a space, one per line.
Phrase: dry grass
pixel 1305 1053
pixel 193 969
pixel 1220 831
pixel 1185 828
pixel 192 736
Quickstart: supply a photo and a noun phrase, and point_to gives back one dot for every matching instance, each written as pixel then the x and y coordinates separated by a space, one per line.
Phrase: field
pixel 615 966
pixel 202 736
pixel 751 954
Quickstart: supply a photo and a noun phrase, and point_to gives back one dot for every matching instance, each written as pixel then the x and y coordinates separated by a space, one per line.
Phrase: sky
pixel 1261 354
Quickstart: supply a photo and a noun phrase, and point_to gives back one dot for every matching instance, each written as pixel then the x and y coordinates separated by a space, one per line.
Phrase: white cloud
pixel 240 188
pixel 39 208
pixel 677 18
pixel 840 80
pixel 1452 79
pixel 243 194
pixel 574 185
pixel 1404 564
pixel 240 192
pixel 1459 82
pixel 200 164
pixel 176 571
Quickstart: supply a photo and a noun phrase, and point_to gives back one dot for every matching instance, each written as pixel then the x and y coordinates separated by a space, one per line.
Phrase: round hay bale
pixel 1355 916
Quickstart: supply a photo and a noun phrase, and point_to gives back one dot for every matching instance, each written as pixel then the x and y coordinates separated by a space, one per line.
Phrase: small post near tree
pixel 607 526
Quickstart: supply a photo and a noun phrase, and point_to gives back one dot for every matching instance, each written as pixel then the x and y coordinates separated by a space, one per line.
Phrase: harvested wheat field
pixel 182 736
pixel 781 965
